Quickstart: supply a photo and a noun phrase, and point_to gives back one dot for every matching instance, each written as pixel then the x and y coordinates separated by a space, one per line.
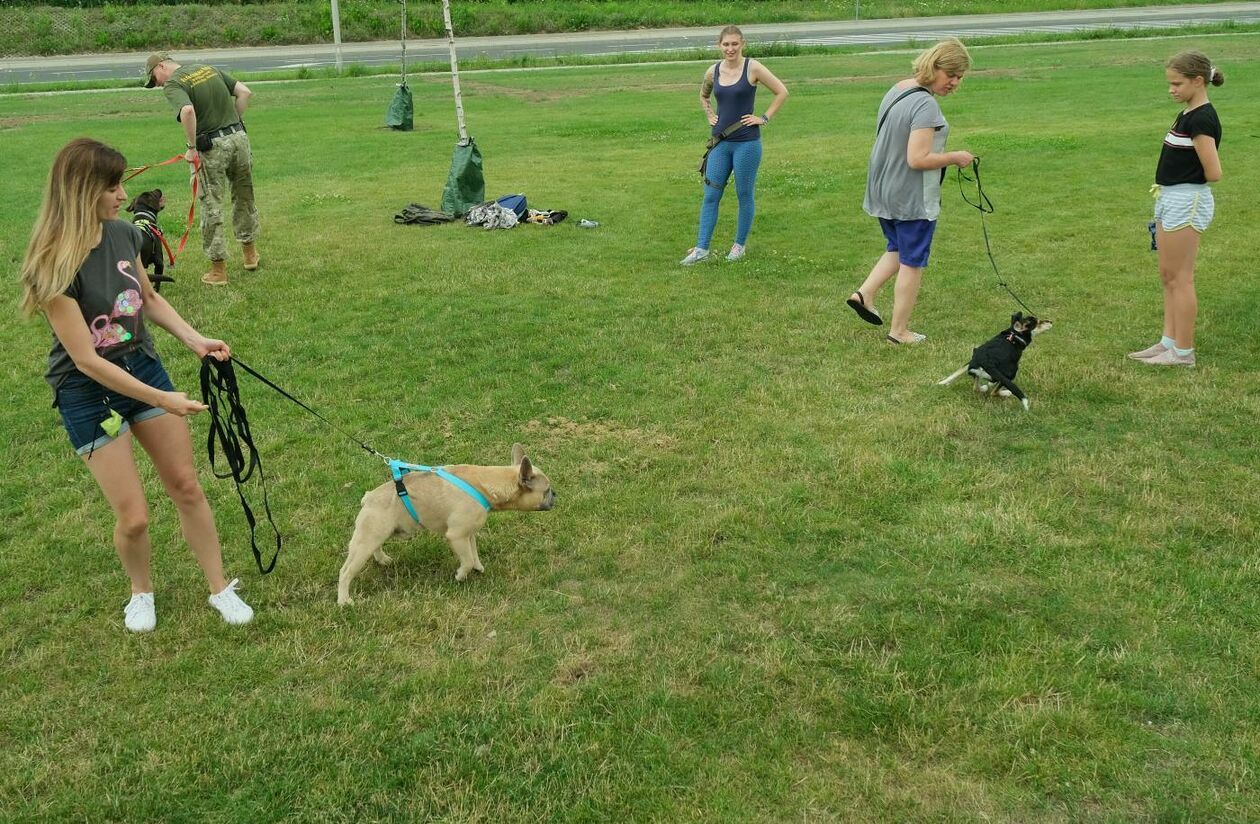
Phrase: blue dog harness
pixel 397 469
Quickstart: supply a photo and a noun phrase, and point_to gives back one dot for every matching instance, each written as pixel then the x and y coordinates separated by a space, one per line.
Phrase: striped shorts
pixel 1185 204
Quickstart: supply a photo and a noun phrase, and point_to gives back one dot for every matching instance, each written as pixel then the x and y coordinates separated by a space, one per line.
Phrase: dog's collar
pixel 1015 337
pixel 397 469
pixel 148 217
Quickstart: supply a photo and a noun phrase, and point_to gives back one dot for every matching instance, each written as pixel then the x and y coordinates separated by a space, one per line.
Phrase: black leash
pixel 230 428
pixel 985 206
pixel 334 426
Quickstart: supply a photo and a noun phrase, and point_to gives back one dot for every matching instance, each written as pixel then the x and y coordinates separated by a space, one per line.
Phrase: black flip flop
pixel 863 311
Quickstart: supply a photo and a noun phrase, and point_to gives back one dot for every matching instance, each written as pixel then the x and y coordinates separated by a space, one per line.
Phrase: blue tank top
pixel 735 101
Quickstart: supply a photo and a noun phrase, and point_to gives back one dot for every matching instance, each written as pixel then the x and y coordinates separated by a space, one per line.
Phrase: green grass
pixel 789 578
pixel 37 29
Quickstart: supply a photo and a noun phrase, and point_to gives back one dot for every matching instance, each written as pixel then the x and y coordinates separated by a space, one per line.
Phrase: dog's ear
pixel 518 453
pixel 527 471
pixel 1015 318
pixel 131 207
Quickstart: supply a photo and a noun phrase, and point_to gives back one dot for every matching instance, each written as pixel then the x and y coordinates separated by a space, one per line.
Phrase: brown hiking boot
pixel 251 256
pixel 217 276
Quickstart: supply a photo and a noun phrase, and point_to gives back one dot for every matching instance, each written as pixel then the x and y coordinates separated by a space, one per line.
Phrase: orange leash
pixel 192 207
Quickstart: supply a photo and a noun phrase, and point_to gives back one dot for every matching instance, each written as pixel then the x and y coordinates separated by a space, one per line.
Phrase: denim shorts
pixel 84 404
pixel 1185 204
pixel 910 239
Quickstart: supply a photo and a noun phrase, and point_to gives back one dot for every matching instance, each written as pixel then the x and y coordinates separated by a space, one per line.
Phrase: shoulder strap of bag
pixel 900 97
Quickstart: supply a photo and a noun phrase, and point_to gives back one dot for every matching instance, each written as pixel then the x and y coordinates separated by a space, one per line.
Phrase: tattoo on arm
pixel 706 88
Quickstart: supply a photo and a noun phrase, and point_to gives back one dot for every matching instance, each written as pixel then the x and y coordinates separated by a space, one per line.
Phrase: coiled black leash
pixel 230 429
pixel 985 206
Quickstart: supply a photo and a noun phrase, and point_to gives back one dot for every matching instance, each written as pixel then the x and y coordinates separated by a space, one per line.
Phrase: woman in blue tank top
pixel 734 82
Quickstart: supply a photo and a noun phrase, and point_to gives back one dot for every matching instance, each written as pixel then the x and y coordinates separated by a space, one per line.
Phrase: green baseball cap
pixel 151 64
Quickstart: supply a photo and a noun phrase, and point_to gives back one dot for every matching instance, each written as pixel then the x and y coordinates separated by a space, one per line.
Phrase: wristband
pixel 766 118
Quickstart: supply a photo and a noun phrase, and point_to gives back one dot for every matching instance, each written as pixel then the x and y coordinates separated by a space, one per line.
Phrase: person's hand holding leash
pixel 213 347
pixel 961 159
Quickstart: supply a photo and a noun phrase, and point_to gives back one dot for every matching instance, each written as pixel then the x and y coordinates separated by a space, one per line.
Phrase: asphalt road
pixel 842 32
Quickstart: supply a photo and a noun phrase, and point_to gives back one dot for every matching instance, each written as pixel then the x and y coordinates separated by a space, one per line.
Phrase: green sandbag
pixel 465 185
pixel 398 116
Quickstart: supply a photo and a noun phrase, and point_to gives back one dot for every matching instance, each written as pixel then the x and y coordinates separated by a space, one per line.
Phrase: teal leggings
pixel 743 158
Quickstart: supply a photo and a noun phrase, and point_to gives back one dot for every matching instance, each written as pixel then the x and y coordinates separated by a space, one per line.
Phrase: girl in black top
pixel 1184 204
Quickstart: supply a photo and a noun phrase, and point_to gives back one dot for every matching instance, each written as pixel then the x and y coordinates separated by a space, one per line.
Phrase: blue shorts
pixel 910 239
pixel 84 404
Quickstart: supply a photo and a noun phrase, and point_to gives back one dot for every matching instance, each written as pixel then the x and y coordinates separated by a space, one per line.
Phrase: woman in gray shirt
pixel 903 182
pixel 82 271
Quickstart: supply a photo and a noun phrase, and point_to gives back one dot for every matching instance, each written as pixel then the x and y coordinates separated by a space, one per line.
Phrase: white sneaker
pixel 694 256
pixel 235 611
pixel 1149 352
pixel 1170 358
pixel 737 252
pixel 139 615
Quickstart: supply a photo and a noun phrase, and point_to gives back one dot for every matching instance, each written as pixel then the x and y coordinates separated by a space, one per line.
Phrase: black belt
pixel 235 127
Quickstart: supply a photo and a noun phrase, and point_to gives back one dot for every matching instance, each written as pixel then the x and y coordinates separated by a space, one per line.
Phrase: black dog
pixel 995 362
pixel 145 207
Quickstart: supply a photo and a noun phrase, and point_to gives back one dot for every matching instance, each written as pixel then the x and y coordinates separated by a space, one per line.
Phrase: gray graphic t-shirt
pixel 107 289
pixel 894 190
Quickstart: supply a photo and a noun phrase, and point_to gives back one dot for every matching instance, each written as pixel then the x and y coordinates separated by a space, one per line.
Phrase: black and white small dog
pixel 995 362
pixel 145 207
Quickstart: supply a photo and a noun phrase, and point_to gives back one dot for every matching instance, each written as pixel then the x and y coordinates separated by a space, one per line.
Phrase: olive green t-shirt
pixel 208 91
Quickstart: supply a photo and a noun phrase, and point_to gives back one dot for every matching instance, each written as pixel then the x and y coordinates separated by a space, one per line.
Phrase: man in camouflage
pixel 208 104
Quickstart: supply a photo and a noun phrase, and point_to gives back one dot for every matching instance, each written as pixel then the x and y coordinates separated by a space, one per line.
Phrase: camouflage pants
pixel 229 165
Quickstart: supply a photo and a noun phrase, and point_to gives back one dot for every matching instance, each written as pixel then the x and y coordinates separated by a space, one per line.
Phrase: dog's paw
pixel 382 559
pixel 461 574
pixel 1025 404
pixel 344 601
pixel 478 567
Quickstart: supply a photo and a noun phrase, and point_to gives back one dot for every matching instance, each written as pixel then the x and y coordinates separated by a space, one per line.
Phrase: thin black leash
pixel 334 426
pixel 229 427
pixel 985 206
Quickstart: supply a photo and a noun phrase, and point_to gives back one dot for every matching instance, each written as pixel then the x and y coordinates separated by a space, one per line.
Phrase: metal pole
pixel 459 99
pixel 336 21
pixel 857 9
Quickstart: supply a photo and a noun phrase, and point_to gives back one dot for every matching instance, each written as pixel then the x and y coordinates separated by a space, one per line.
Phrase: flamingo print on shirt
pixel 105 332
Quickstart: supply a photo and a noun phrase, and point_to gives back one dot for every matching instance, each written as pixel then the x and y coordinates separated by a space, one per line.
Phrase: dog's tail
pixel 953 377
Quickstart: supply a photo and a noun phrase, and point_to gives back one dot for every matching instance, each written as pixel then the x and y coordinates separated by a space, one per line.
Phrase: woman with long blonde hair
pixel 82 271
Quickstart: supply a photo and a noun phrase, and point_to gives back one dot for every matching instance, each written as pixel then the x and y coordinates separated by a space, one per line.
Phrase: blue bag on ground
pixel 515 203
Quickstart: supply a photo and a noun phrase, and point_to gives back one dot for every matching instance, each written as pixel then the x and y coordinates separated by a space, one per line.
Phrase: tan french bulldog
pixel 443 509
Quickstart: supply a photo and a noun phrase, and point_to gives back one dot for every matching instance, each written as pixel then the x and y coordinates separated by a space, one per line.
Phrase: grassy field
pixel 788 578
pixel 30 28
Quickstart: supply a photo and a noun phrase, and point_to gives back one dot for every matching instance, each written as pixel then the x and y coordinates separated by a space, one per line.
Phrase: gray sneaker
pixel 1149 352
pixel 1170 358
pixel 694 256
pixel 139 615
pixel 736 253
